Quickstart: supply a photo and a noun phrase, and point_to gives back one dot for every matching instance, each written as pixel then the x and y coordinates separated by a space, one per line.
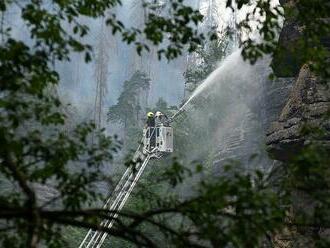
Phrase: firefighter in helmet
pixel 151 129
pixel 161 119
pixel 150 119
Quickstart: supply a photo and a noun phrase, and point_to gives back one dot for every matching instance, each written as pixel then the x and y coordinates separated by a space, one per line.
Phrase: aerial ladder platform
pixel 156 142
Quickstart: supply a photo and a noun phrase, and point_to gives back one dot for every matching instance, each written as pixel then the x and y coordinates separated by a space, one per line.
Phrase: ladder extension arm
pixel 94 239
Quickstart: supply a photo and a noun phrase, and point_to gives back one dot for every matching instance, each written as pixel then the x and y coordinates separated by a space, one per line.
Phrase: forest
pixel 164 123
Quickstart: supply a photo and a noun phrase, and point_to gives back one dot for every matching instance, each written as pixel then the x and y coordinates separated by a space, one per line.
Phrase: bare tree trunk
pixel 101 75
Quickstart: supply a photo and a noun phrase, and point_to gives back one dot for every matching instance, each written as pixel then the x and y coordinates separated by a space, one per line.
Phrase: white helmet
pixel 158 113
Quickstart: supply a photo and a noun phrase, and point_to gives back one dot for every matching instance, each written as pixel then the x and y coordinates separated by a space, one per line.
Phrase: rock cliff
pixel 307 106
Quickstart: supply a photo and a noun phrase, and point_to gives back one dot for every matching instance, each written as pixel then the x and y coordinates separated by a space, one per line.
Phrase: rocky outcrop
pixel 304 118
pixel 289 56
pixel 308 104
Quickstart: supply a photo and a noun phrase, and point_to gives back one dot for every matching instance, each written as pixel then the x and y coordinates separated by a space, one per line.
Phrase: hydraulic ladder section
pixel 94 239
pixel 115 203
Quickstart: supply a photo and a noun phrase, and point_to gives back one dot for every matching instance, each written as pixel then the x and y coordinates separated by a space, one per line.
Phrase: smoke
pixel 226 113
pixel 226 104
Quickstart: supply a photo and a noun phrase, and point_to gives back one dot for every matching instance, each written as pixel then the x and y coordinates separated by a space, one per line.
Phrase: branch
pixel 31 203
pixel 124 231
pixel 19 177
pixel 128 234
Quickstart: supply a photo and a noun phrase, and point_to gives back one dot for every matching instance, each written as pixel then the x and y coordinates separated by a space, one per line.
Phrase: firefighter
pixel 161 119
pixel 158 118
pixel 151 129
pixel 150 119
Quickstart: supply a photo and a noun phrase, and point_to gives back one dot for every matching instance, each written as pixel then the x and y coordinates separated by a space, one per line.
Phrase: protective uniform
pixel 151 129
pixel 161 119
pixel 150 119
pixel 158 118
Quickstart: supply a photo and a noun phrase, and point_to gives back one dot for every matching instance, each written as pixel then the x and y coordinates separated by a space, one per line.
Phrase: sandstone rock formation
pixel 289 55
pixel 307 106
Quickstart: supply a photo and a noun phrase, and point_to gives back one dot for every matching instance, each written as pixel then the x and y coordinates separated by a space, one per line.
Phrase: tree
pixel 128 107
pixel 161 105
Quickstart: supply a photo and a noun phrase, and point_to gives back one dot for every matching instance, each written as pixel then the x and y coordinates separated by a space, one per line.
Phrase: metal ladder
pixel 117 200
pixel 94 239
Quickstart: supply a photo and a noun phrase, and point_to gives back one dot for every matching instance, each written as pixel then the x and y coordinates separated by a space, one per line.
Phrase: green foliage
pixel 304 185
pixel 308 173
pixel 310 16
pixel 236 207
pixel 177 28
pixel 268 17
pixel 216 212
